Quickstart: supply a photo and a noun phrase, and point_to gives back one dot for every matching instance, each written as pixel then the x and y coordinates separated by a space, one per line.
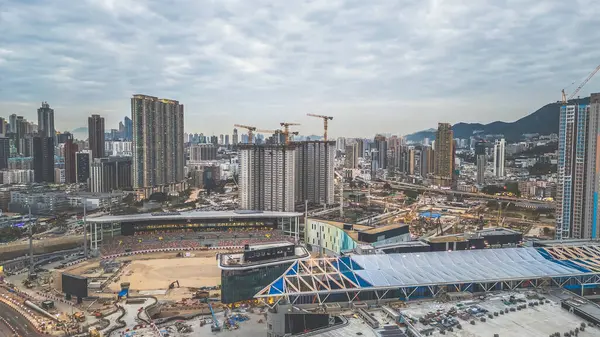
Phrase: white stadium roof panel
pixel 456 267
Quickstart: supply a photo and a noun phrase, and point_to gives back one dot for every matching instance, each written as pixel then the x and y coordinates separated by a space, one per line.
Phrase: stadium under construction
pixel 407 276
pixel 109 226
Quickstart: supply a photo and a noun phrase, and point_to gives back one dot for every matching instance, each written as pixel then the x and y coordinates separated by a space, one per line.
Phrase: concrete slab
pixel 532 321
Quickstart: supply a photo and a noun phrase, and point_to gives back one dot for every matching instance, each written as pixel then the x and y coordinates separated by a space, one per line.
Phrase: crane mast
pixel 286 131
pixel 250 129
pixel 325 120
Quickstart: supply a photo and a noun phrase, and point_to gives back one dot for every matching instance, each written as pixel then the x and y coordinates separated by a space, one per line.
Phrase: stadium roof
pixel 456 267
pixel 196 215
pixel 394 271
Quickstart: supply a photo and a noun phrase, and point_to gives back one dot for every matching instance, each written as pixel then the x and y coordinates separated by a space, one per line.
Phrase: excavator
pixel 172 285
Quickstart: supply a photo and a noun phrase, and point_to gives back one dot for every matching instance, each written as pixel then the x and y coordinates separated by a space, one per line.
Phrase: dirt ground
pixel 159 273
pixel 156 271
pixel 538 230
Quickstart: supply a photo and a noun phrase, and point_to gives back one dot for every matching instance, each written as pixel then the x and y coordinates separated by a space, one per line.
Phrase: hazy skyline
pixel 376 66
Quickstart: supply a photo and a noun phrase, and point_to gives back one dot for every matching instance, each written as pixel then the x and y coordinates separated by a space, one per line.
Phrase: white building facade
pixel 267 177
pixel 499 152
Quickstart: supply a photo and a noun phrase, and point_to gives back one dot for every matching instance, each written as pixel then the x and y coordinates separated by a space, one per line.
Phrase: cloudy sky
pixel 393 66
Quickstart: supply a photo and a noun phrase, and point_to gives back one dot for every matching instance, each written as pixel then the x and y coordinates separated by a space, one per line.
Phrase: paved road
pixel 5 331
pixel 20 323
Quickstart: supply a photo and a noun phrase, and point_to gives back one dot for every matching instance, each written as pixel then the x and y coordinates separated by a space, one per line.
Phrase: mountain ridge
pixel 543 121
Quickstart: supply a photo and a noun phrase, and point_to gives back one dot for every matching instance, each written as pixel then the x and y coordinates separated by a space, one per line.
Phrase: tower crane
pixel 286 130
pixel 325 120
pixel 250 129
pixel 564 95
pixel 285 133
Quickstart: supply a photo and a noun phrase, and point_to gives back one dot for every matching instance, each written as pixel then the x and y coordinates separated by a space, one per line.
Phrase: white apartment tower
pixel 499 152
pixel 314 172
pixel 267 177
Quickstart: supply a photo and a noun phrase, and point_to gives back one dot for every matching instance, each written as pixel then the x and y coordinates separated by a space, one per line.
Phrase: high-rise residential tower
pixel 12 119
pixel 71 149
pixel 444 155
pixel 43 145
pixel 426 161
pixel 43 159
pixel 578 170
pixel 96 135
pixel 380 153
pixel 267 177
pixel 46 121
pixel 352 155
pixel 234 138
pixel 109 174
pixel 481 160
pixel 314 171
pixel 82 162
pixel 128 129
pixel 4 152
pixel 20 127
pixel 158 154
pixel 499 152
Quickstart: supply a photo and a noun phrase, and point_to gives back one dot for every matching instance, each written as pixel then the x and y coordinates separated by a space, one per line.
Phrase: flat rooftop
pixel 270 245
pixel 497 231
pixel 532 321
pixel 415 243
pixel 381 229
pixel 446 238
pixel 340 225
pixel 235 261
pixel 195 215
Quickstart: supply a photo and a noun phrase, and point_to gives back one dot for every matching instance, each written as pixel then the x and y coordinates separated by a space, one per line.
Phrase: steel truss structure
pixel 587 257
pixel 324 280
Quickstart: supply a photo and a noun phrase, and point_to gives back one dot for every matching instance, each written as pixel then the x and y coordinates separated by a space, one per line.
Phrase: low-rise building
pixel 95 200
pixel 10 177
pixel 40 202
pixel 335 237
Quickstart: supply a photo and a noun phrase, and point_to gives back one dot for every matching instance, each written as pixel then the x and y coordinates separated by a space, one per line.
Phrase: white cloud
pixel 377 66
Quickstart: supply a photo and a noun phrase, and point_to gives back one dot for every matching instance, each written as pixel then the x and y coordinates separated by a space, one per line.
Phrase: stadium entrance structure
pixel 410 276
pixel 288 223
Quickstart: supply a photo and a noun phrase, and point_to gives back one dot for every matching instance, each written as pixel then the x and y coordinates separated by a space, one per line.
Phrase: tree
pixel 491 189
pixel 159 197
pixel 539 169
pixel 129 199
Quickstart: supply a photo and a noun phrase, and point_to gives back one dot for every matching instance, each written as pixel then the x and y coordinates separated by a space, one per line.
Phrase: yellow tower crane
pixel 250 129
pixel 587 79
pixel 285 133
pixel 325 120
pixel 286 130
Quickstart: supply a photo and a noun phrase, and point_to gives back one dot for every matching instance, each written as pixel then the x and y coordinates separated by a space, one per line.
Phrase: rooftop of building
pixel 269 245
pixel 415 243
pixel 196 215
pixel 400 270
pixel 340 225
pixel 235 261
pixel 381 229
pixel 482 233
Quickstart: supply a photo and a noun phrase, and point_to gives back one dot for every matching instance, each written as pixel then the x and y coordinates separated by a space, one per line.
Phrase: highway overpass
pixel 405 186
